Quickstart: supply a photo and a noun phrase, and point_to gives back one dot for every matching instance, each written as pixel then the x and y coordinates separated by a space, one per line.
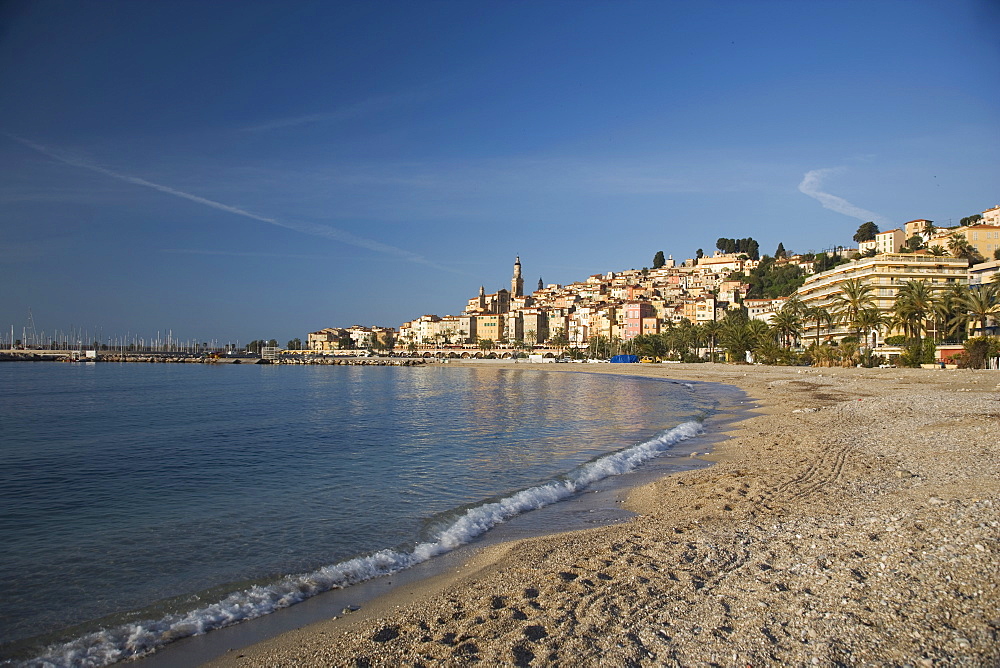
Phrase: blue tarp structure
pixel 625 359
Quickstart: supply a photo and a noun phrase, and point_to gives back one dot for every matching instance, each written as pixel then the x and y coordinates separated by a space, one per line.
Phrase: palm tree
pixel 559 340
pixel 914 306
pixel 761 337
pixel 848 353
pixel 855 296
pixel 960 247
pixel 870 320
pixel 950 313
pixel 819 315
pixel 982 303
pixel 787 324
pixel 711 331
pixel 682 338
pixel 937 250
pixel 736 337
pixel 794 304
pixel 824 355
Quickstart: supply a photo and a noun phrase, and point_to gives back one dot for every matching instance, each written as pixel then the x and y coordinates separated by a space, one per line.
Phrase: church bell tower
pixel 517 283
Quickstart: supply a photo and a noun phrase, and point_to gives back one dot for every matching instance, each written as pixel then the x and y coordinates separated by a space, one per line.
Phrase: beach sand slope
pixel 852 520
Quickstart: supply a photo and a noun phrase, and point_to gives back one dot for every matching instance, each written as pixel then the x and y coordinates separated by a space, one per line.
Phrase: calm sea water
pixel 144 503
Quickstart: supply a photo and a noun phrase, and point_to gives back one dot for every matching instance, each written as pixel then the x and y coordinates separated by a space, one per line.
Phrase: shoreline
pixel 854 519
pixel 599 504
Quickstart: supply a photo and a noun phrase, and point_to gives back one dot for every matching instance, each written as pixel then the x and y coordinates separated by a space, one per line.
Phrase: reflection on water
pixel 129 484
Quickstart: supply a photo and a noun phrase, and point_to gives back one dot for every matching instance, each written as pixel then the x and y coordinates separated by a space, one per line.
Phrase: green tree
pixel 869 320
pixel 559 339
pixel 855 295
pixel 982 304
pixel 295 344
pixel 913 307
pixel 679 339
pixel 787 324
pixel 735 336
pixel 485 344
pixel 770 281
pixel 937 250
pixel 825 261
pixel 780 253
pixel 970 220
pixel 820 315
pixel 950 314
pixel 915 243
pixel 599 347
pixel 960 247
pixel 659 260
pixel 866 232
pixel 978 350
pixel 710 334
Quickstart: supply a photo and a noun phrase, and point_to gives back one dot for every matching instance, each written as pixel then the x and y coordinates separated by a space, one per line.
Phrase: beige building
pixel 327 339
pixel 920 226
pixel 885 273
pixel 984 238
pixel 491 326
pixel 884 242
pixel 722 262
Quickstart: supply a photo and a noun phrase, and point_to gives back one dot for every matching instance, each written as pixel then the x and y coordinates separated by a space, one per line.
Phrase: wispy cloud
pixel 813 181
pixel 314 229
pixel 347 112
pixel 195 251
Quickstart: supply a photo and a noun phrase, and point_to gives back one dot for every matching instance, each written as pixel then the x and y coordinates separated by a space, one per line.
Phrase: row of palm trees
pixel 920 310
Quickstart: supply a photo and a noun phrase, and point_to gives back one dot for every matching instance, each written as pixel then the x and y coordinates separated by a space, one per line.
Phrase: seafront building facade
pixel 625 304
pixel 615 305
pixel 885 273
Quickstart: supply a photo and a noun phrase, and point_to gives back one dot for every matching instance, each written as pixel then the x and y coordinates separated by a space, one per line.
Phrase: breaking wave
pixel 140 638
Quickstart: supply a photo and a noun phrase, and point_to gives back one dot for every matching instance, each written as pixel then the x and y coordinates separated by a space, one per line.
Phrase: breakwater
pixel 181 358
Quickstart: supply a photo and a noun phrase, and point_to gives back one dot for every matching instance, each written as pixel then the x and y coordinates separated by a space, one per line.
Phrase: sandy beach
pixel 853 519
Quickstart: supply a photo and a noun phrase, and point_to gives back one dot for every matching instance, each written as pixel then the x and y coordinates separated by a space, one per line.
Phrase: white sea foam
pixel 137 639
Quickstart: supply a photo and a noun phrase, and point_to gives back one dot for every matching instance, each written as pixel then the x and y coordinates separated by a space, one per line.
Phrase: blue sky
pixel 240 170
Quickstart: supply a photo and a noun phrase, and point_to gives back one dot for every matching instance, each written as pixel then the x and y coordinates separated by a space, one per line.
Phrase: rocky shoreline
pixel 854 520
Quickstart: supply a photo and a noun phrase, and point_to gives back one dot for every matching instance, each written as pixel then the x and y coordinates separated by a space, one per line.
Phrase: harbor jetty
pixel 187 358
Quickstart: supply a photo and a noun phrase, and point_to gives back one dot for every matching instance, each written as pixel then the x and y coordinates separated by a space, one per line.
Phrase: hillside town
pixel 895 289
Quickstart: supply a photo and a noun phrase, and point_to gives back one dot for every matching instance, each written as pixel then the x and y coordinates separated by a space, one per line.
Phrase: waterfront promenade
pixel 854 519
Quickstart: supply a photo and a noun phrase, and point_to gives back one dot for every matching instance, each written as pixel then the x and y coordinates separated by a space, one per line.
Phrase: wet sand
pixel 854 519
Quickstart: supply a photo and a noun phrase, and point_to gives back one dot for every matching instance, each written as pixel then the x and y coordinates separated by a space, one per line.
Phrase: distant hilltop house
pixel 622 305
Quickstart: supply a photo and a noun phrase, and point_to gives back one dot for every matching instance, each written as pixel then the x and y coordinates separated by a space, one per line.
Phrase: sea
pixel 145 503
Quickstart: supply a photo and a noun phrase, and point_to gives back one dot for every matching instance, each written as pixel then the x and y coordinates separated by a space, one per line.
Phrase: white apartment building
pixel 885 273
pixel 763 309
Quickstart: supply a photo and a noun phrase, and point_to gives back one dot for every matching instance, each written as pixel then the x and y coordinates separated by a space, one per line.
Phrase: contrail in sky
pixel 810 186
pixel 314 229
